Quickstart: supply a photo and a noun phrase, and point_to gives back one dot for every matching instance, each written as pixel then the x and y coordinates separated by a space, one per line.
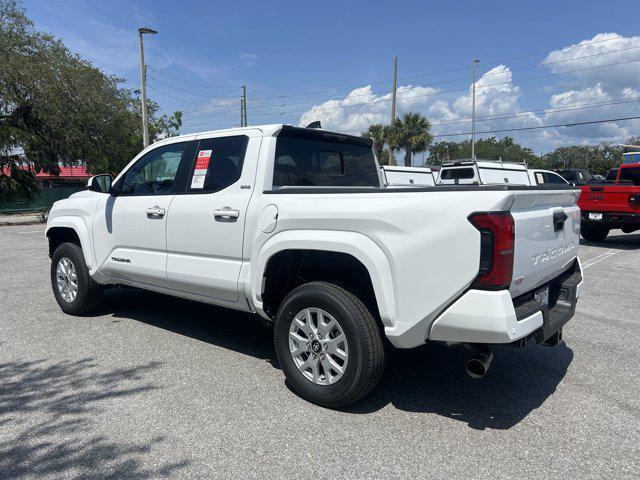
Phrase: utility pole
pixel 143 81
pixel 241 111
pixel 473 113
pixel 393 103
pixel 244 105
pixel 393 97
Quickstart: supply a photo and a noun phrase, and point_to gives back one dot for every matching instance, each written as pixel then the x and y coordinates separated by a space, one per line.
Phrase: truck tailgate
pixel 547 229
pixel 610 198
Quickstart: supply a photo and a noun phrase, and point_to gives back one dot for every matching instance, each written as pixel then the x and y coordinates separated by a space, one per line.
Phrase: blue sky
pixel 291 54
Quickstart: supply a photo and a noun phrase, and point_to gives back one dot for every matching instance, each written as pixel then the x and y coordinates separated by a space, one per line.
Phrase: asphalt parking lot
pixel 155 387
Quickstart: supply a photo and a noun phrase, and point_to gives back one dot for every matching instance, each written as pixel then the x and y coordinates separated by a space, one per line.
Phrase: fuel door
pixel 269 219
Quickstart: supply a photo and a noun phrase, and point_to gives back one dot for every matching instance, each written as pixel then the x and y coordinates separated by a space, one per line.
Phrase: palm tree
pixel 376 132
pixel 412 134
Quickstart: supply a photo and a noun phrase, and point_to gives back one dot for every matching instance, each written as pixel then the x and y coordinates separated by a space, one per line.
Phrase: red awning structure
pixel 66 173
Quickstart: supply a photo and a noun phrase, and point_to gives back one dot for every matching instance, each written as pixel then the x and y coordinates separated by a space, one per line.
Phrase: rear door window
pixel 218 163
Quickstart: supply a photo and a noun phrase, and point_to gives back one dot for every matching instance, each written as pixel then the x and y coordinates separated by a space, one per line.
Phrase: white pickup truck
pixel 295 225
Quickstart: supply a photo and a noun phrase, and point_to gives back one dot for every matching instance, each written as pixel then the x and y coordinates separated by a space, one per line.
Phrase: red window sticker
pixel 202 165
pixel 204 156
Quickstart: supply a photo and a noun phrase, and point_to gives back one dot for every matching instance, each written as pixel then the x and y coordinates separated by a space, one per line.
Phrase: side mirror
pixel 100 183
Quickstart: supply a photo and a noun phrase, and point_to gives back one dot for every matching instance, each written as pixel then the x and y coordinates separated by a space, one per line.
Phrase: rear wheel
pixel 594 234
pixel 75 291
pixel 328 345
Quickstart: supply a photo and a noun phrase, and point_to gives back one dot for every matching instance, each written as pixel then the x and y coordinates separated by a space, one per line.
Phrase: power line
pixel 219 120
pixel 546 111
pixel 447 70
pixel 380 98
pixel 423 86
pixel 182 91
pixel 189 82
pixel 520 129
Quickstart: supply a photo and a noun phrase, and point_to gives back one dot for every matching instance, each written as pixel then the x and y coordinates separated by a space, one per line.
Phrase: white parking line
pixel 604 256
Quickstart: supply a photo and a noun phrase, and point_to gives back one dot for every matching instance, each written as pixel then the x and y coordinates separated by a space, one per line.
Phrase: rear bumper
pixel 481 316
pixel 612 219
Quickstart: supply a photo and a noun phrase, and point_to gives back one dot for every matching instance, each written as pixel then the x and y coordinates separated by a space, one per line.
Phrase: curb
pixel 16 224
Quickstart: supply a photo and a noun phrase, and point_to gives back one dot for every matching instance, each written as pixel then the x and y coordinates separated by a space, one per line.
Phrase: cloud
pixel 362 107
pixel 598 90
pixel 495 95
pixel 594 58
pixel 248 59
pixel 114 48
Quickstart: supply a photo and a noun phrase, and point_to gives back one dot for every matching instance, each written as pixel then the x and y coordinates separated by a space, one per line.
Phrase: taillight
pixel 634 200
pixel 497 238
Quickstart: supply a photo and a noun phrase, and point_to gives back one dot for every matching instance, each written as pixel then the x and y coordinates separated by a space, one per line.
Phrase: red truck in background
pixel 610 205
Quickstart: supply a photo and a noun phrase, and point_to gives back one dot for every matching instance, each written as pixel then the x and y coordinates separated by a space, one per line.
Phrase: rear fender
pixel 355 244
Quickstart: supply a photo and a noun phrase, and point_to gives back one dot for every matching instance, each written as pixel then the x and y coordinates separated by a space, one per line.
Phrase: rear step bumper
pixel 481 316
pixel 612 219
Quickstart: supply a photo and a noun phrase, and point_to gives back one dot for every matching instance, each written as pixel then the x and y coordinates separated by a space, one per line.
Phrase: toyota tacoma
pixel 295 225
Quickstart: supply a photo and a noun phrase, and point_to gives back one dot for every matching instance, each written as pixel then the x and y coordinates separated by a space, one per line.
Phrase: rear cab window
pixel 457 173
pixel 629 176
pixel 310 158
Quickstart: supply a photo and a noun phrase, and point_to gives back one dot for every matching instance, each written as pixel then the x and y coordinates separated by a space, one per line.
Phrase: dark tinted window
pixel 569 175
pixel 553 178
pixel 457 173
pixel 322 160
pixel 630 176
pixel 218 163
pixel 612 175
pixel 155 172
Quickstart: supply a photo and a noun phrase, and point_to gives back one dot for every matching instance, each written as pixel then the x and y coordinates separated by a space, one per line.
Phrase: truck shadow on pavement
pixel 48 427
pixel 616 239
pixel 429 379
pixel 432 379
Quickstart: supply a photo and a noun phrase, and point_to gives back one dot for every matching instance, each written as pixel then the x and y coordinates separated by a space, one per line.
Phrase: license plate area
pixel 595 216
pixel 542 296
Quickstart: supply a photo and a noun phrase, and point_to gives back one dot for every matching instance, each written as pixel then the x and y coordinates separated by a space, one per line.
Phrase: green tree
pixel 377 134
pixel 411 133
pixel 596 158
pixel 488 149
pixel 58 107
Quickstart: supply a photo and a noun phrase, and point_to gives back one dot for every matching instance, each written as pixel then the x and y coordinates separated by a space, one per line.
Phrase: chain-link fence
pixel 43 201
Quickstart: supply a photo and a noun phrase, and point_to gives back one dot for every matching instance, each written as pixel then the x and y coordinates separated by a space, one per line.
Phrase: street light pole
pixel 473 112
pixel 143 82
pixel 393 104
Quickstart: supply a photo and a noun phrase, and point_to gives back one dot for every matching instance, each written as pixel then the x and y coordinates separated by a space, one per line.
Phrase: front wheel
pixel 75 291
pixel 328 345
pixel 594 234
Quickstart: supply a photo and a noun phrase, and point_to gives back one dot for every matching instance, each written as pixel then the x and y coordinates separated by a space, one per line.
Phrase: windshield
pixel 630 176
pixel 321 159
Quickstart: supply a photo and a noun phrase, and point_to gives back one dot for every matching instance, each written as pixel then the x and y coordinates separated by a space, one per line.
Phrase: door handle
pixel 155 212
pixel 225 213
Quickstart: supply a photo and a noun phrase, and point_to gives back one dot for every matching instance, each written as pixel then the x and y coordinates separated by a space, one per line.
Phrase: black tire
pixel 89 292
pixel 366 352
pixel 594 234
